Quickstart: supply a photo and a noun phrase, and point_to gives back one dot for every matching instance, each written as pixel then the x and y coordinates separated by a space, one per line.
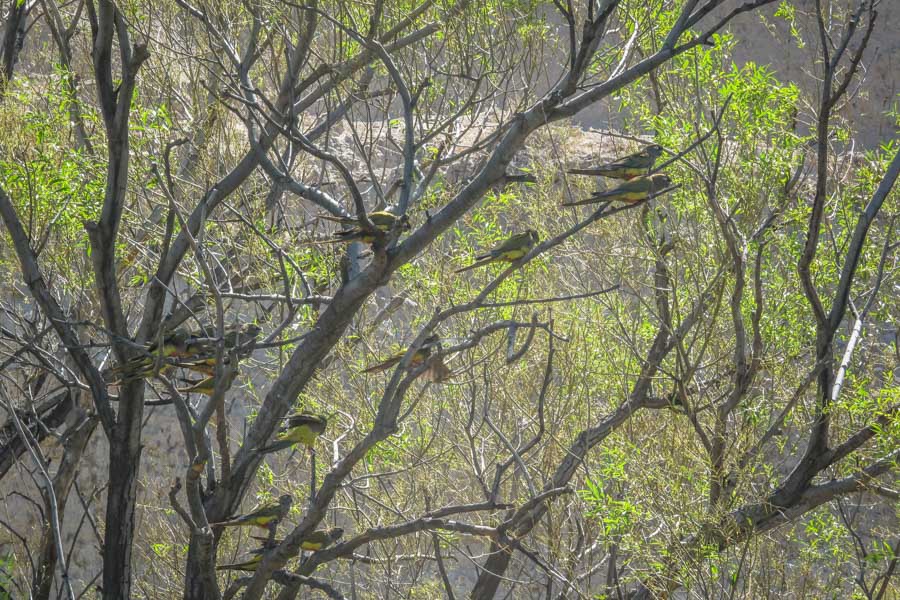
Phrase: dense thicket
pixel 688 393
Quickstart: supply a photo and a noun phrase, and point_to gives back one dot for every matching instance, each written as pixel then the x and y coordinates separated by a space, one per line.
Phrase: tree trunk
pixel 124 468
pixel 13 39
pixel 197 585
pixel 491 574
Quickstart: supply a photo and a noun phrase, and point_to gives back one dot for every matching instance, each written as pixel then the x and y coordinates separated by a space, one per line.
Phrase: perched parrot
pixel 206 366
pixel 207 385
pixel 383 221
pixel 244 336
pixel 630 192
pixel 420 356
pixel 319 540
pixel 628 167
pixel 301 428
pixel 511 250
pixel 174 345
pixel 247 565
pixel 265 516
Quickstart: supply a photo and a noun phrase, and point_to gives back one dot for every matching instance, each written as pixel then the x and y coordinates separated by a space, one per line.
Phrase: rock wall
pixel 766 40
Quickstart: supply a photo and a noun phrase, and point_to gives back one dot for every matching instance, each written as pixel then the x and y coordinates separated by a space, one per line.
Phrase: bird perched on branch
pixel 191 350
pixel 247 565
pixel 632 191
pixel 301 428
pixel 317 540
pixel 383 221
pixel 628 167
pixel 206 366
pixel 174 344
pixel 264 516
pixel 207 385
pixel 242 337
pixel 420 356
pixel 510 250
pixel 233 336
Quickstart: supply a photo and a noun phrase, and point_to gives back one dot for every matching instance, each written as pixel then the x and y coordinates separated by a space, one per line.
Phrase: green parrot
pixel 139 369
pixel 207 385
pixel 174 345
pixel 245 335
pixel 632 191
pixel 206 366
pixel 301 428
pixel 420 356
pixel 247 565
pixel 628 167
pixel 383 220
pixel 510 250
pixel 319 540
pixel 264 516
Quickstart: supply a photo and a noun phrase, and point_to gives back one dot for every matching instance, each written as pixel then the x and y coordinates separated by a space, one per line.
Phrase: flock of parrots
pixel 197 351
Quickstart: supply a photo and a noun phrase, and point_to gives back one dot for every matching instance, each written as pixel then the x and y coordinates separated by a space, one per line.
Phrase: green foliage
pixel 788 13
pixel 58 184
pixel 614 513
pixel 646 487
pixel 825 537
pixel 7 569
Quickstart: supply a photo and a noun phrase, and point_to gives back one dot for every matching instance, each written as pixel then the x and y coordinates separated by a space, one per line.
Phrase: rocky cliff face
pixel 766 40
pixel 880 82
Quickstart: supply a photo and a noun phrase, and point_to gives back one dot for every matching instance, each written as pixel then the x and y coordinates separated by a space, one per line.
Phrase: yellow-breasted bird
pixel 244 336
pixel 139 368
pixel 301 428
pixel 383 220
pixel 174 344
pixel 207 385
pixel 630 192
pixel 628 167
pixel 420 356
pixel 205 338
pixel 319 540
pixel 265 516
pixel 246 565
pixel 510 250
pixel 206 366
